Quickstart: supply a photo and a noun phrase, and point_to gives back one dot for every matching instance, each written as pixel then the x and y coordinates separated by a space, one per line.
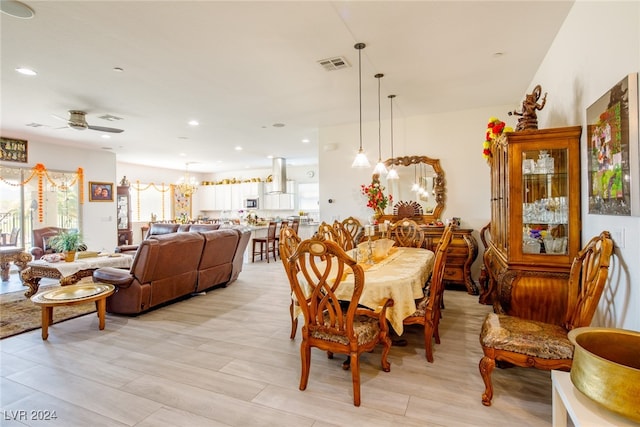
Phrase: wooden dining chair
pixel 533 344
pixel 354 228
pixel 343 237
pixel 267 244
pixel 428 312
pixel 289 241
pixel 406 233
pixel 327 232
pixel 317 269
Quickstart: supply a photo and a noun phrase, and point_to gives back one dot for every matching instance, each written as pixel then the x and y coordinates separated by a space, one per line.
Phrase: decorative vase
pixel 70 256
pixel 378 213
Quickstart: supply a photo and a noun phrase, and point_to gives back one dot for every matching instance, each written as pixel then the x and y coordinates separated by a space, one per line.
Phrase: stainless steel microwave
pixel 251 203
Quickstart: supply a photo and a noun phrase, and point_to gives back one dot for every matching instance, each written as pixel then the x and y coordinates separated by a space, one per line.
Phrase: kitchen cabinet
pixel 535 221
pixel 226 197
pixel 280 201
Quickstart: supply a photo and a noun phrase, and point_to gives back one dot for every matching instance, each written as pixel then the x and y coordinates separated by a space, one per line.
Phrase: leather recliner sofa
pixel 170 266
pixel 158 228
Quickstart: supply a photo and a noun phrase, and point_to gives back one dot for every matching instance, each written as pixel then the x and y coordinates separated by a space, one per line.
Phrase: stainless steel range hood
pixel 279 176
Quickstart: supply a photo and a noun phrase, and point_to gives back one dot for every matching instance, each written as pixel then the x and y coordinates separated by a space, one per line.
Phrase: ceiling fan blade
pixel 55 116
pixel 105 129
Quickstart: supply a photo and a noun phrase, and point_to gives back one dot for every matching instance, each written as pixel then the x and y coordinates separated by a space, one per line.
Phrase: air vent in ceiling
pixel 110 118
pixel 34 125
pixel 331 64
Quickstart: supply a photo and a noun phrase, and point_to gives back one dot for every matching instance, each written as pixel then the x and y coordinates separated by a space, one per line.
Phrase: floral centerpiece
pixel 495 128
pixel 376 198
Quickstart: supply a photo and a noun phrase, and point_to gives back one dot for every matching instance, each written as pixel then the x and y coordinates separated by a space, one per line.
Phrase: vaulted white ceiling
pixel 240 67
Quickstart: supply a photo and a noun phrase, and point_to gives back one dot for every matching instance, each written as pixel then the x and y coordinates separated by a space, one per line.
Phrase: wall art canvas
pixel 612 144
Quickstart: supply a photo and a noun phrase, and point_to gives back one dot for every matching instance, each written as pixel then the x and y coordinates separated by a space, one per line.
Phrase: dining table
pixel 401 276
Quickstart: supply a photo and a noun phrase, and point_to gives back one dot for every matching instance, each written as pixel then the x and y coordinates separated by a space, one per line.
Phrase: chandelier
pixel 187 184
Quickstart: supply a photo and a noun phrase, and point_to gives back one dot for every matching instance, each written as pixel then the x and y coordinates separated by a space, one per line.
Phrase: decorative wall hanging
pixel 13 150
pixel 612 150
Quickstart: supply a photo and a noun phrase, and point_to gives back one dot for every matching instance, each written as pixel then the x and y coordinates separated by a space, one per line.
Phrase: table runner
pixel 66 269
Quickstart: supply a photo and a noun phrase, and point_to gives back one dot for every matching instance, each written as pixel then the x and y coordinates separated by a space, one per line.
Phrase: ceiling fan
pixel 77 120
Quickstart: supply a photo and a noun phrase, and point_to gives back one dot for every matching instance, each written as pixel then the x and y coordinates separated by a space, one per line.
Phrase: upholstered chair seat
pixel 365 328
pixel 528 337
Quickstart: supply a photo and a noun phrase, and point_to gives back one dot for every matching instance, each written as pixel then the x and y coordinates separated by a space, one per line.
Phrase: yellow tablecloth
pixel 401 277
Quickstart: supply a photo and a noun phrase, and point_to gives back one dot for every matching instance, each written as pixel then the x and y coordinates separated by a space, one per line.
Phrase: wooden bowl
pixel 606 368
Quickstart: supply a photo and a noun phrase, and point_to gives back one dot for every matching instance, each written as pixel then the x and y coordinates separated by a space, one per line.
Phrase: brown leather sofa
pixel 170 266
pixel 158 228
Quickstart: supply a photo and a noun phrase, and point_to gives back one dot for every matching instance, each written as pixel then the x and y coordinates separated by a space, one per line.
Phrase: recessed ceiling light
pixel 16 9
pixel 106 148
pixel 498 54
pixel 182 155
pixel 118 69
pixel 183 137
pixel 278 125
pixel 269 157
pixel 305 141
pixel 26 71
pixel 238 148
pixel 193 123
pixel 106 136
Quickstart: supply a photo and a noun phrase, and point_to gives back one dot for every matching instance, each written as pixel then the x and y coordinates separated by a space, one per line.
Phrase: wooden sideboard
pixel 462 251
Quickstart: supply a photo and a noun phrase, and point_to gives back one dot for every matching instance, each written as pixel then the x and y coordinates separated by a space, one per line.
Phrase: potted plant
pixel 67 242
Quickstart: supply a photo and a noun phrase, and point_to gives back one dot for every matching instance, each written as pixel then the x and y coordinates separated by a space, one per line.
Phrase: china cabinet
pixel 125 234
pixel 535 221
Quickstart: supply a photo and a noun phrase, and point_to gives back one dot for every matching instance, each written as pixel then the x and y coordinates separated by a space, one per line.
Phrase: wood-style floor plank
pixel 225 358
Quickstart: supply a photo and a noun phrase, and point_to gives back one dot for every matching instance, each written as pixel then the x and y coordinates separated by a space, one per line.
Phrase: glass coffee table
pixel 72 295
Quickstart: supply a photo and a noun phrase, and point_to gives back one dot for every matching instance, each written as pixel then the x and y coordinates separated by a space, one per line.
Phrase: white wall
pixel 598 45
pixel 98 218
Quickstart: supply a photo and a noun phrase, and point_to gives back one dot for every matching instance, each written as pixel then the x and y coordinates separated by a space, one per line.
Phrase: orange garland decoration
pixel 41 171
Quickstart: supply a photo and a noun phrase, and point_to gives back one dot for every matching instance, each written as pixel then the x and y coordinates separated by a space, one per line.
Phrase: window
pixel 150 202
pixel 24 207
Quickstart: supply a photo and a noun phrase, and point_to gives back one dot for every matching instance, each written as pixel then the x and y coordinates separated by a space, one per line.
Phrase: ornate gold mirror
pixel 419 193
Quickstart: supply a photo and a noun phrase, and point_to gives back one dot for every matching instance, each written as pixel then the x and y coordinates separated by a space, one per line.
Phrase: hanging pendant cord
pixel 360 90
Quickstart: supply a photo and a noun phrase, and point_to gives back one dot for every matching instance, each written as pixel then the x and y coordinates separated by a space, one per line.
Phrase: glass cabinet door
pixel 123 212
pixel 545 205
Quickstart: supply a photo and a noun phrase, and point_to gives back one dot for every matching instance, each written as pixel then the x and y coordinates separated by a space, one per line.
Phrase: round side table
pixel 72 295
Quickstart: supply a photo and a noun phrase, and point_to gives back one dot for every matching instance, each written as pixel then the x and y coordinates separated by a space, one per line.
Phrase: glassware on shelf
pixel 545 163
pixel 528 165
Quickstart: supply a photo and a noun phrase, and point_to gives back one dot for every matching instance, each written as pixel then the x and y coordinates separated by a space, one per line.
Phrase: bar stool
pixel 267 244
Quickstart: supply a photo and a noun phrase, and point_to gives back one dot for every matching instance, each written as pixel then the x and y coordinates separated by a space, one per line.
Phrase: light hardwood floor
pixel 225 358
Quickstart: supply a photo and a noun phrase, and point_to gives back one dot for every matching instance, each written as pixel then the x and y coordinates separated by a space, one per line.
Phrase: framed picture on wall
pixel 612 150
pixel 13 150
pixel 100 191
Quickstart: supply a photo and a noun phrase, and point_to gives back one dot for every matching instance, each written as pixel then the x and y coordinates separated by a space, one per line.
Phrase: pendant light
pixel 380 169
pixel 361 160
pixel 415 187
pixel 393 174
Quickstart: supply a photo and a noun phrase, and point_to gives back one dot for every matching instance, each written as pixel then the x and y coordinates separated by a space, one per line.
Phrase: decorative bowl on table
pixel 606 368
pixel 381 248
